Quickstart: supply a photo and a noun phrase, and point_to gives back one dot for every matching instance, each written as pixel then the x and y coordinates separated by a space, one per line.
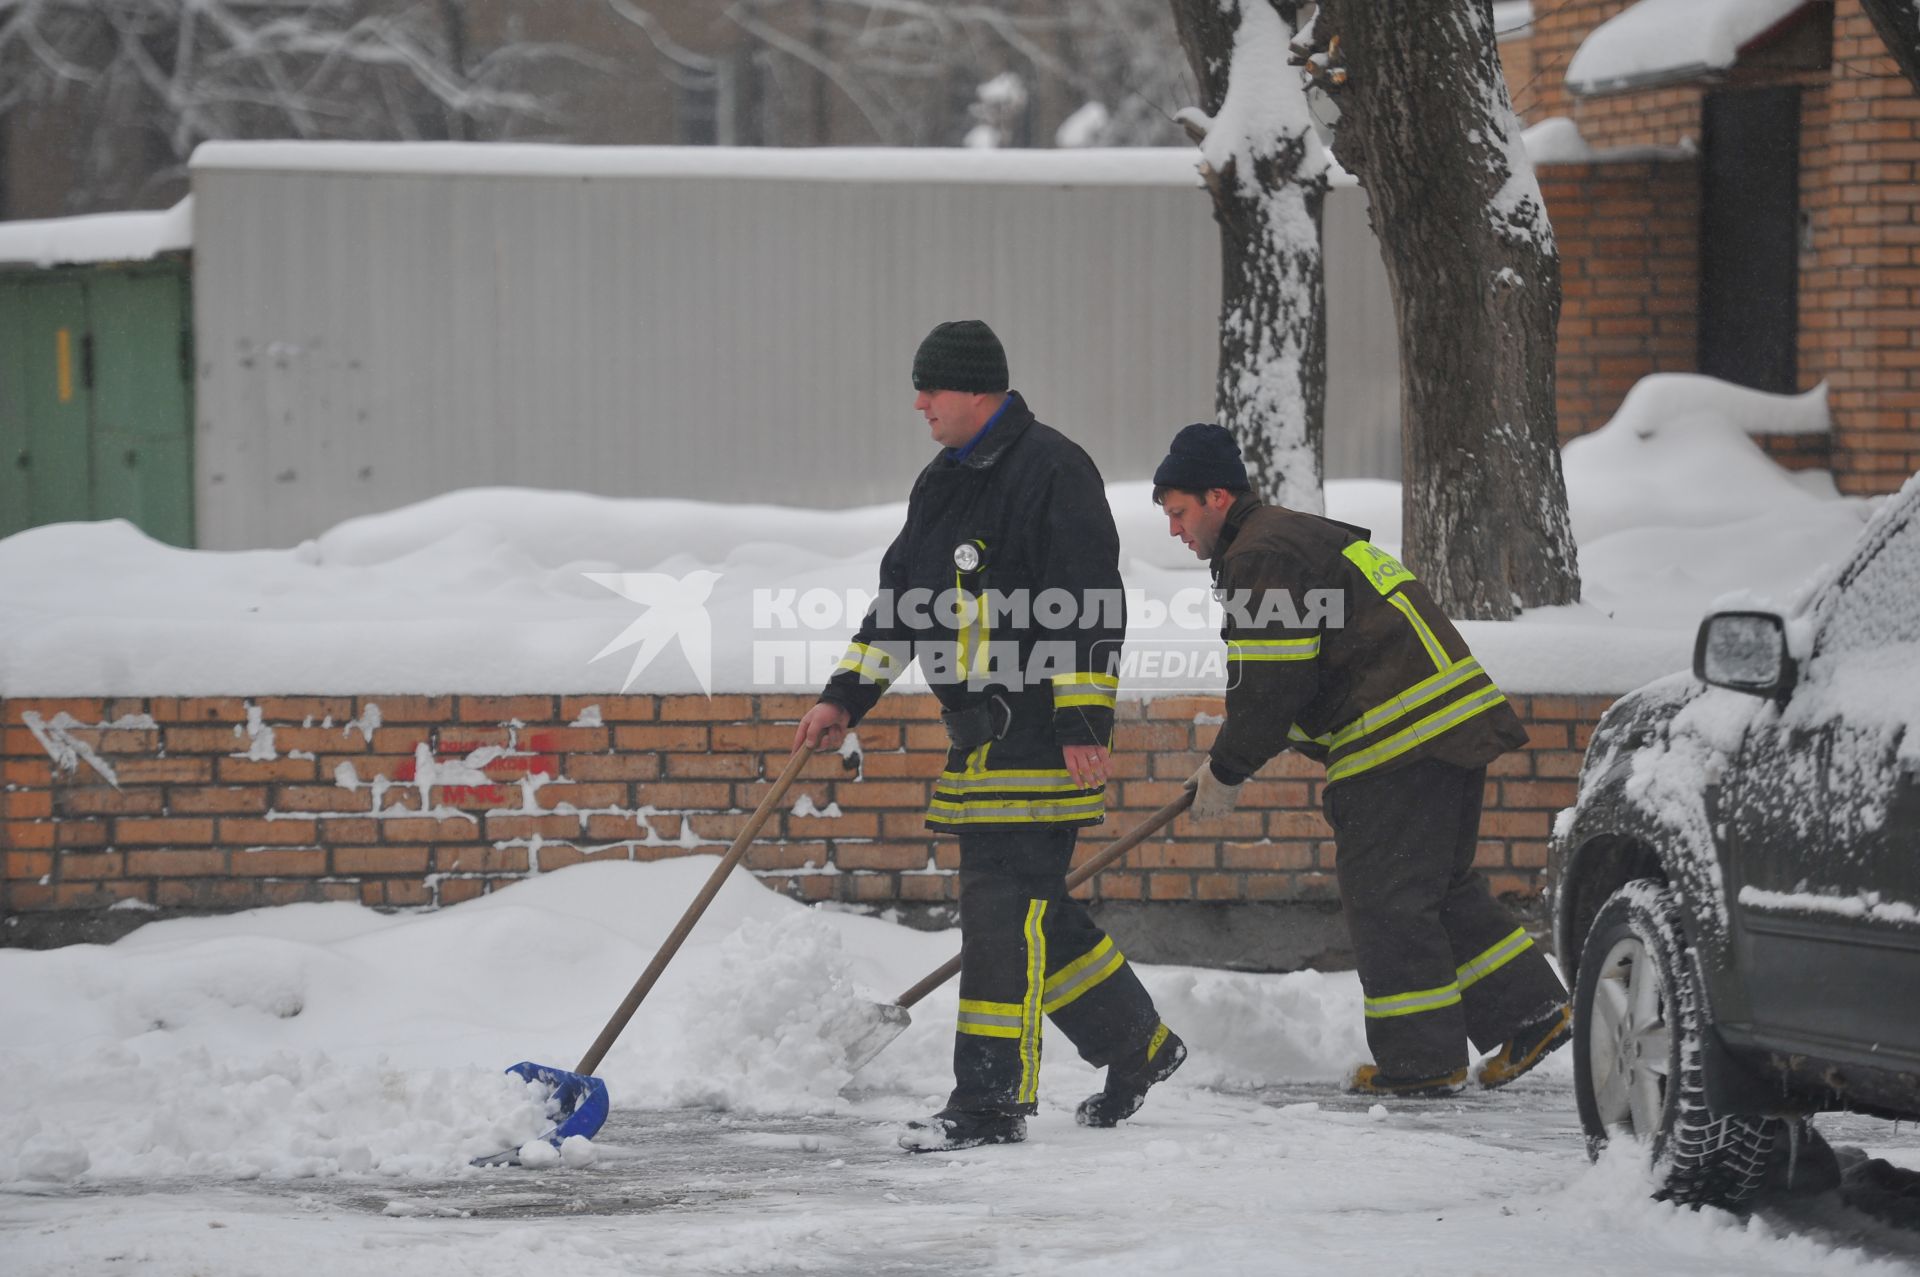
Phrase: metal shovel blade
pixel 861 1034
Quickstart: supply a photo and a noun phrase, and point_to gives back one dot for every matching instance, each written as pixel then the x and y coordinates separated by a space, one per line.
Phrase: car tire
pixel 1640 1019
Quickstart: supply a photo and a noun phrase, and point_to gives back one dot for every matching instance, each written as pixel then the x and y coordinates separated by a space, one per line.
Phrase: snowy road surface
pixel 1203 1181
pixel 299 1090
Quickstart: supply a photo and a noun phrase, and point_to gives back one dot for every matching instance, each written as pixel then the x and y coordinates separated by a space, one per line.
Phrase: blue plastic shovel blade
pixel 581 1100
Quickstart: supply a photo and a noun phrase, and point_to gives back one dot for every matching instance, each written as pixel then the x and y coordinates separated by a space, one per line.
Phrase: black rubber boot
pixel 951 1129
pixel 1128 1082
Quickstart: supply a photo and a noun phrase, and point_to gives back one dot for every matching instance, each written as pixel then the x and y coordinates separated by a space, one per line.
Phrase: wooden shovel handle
pixel 604 1043
pixel 1113 851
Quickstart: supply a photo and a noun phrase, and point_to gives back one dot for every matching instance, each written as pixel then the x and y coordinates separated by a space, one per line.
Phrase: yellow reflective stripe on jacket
pixel 1038 810
pixel 979 796
pixel 1422 693
pixel 1301 649
pixel 1408 738
pixel 989 1019
pixel 1428 639
pixel 1446 995
pixel 1295 734
pixel 1385 572
pixel 1085 689
pixel 1044 782
pixel 872 663
pixel 1030 1013
pixel 1085 972
pixel 1478 968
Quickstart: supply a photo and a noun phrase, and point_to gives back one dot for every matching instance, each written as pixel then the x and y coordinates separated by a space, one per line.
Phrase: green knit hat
pixel 961 354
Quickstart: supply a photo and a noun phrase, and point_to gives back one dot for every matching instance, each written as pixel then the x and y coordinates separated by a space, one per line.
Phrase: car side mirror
pixel 1745 652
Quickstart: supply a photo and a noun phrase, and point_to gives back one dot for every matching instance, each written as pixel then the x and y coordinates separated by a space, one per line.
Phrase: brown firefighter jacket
pixel 1334 649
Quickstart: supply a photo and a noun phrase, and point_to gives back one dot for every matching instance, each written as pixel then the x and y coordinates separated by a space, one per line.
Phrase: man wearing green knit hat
pixel 1010 511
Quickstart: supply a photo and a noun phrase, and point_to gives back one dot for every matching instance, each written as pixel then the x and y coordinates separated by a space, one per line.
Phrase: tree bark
pixel 1898 22
pixel 453 26
pixel 1426 125
pixel 1267 179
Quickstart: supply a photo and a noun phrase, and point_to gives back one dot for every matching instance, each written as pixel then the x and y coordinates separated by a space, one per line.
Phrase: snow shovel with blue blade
pixel 862 1035
pixel 579 1099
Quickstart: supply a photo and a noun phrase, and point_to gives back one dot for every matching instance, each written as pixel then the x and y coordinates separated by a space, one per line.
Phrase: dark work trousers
pixel 1029 950
pixel 1441 961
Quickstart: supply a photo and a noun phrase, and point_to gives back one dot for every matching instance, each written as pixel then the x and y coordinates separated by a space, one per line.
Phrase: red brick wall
pixel 1860 277
pixel 1859 270
pixel 193 823
pixel 1629 236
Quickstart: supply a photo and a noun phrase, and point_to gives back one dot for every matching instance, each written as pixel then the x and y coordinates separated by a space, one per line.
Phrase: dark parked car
pixel 1736 893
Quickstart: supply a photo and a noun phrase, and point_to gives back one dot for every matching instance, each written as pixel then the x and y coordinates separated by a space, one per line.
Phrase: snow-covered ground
pixel 303 1086
pixel 503 590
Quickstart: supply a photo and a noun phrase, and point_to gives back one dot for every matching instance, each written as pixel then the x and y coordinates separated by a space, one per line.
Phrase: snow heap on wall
pixel 488 590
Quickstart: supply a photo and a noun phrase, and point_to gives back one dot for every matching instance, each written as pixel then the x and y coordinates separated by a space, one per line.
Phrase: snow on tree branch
pixel 1266 170
pixel 1265 111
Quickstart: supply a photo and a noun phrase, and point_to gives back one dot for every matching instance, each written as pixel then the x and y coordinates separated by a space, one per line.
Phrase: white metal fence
pixel 378 324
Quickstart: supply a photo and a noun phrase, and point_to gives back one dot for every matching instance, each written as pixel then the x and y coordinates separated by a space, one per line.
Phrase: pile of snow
pixel 1673 504
pixel 506 590
pixel 1677 455
pixel 1675 509
pixel 1558 140
pixel 1084 128
pixel 318 1040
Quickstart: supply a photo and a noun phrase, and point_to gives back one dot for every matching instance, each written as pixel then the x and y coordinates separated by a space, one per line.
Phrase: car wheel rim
pixel 1631 1041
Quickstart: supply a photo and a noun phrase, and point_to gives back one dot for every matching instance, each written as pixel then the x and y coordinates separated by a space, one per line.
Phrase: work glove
pixel 1212 797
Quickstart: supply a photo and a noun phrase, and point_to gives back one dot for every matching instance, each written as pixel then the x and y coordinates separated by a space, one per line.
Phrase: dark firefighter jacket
pixel 1032 506
pixel 1394 682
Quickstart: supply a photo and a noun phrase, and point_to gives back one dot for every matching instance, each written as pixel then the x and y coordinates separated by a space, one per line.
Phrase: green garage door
pixel 95 399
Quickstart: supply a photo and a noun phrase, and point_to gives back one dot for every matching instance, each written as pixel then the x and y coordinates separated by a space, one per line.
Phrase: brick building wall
pixel 1629 236
pixel 1860 267
pixel 1859 289
pixel 169 804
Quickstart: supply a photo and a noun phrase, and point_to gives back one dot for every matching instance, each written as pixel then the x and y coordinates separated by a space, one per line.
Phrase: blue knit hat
pixel 1203 456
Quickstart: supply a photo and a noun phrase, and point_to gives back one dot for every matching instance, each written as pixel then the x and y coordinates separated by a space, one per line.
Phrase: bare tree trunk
pixel 1266 173
pixel 453 25
pixel 1898 22
pixel 817 36
pixel 1426 125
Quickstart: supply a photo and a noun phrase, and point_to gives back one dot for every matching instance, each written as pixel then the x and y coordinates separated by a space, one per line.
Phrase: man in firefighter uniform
pixel 1335 650
pixel 1010 521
